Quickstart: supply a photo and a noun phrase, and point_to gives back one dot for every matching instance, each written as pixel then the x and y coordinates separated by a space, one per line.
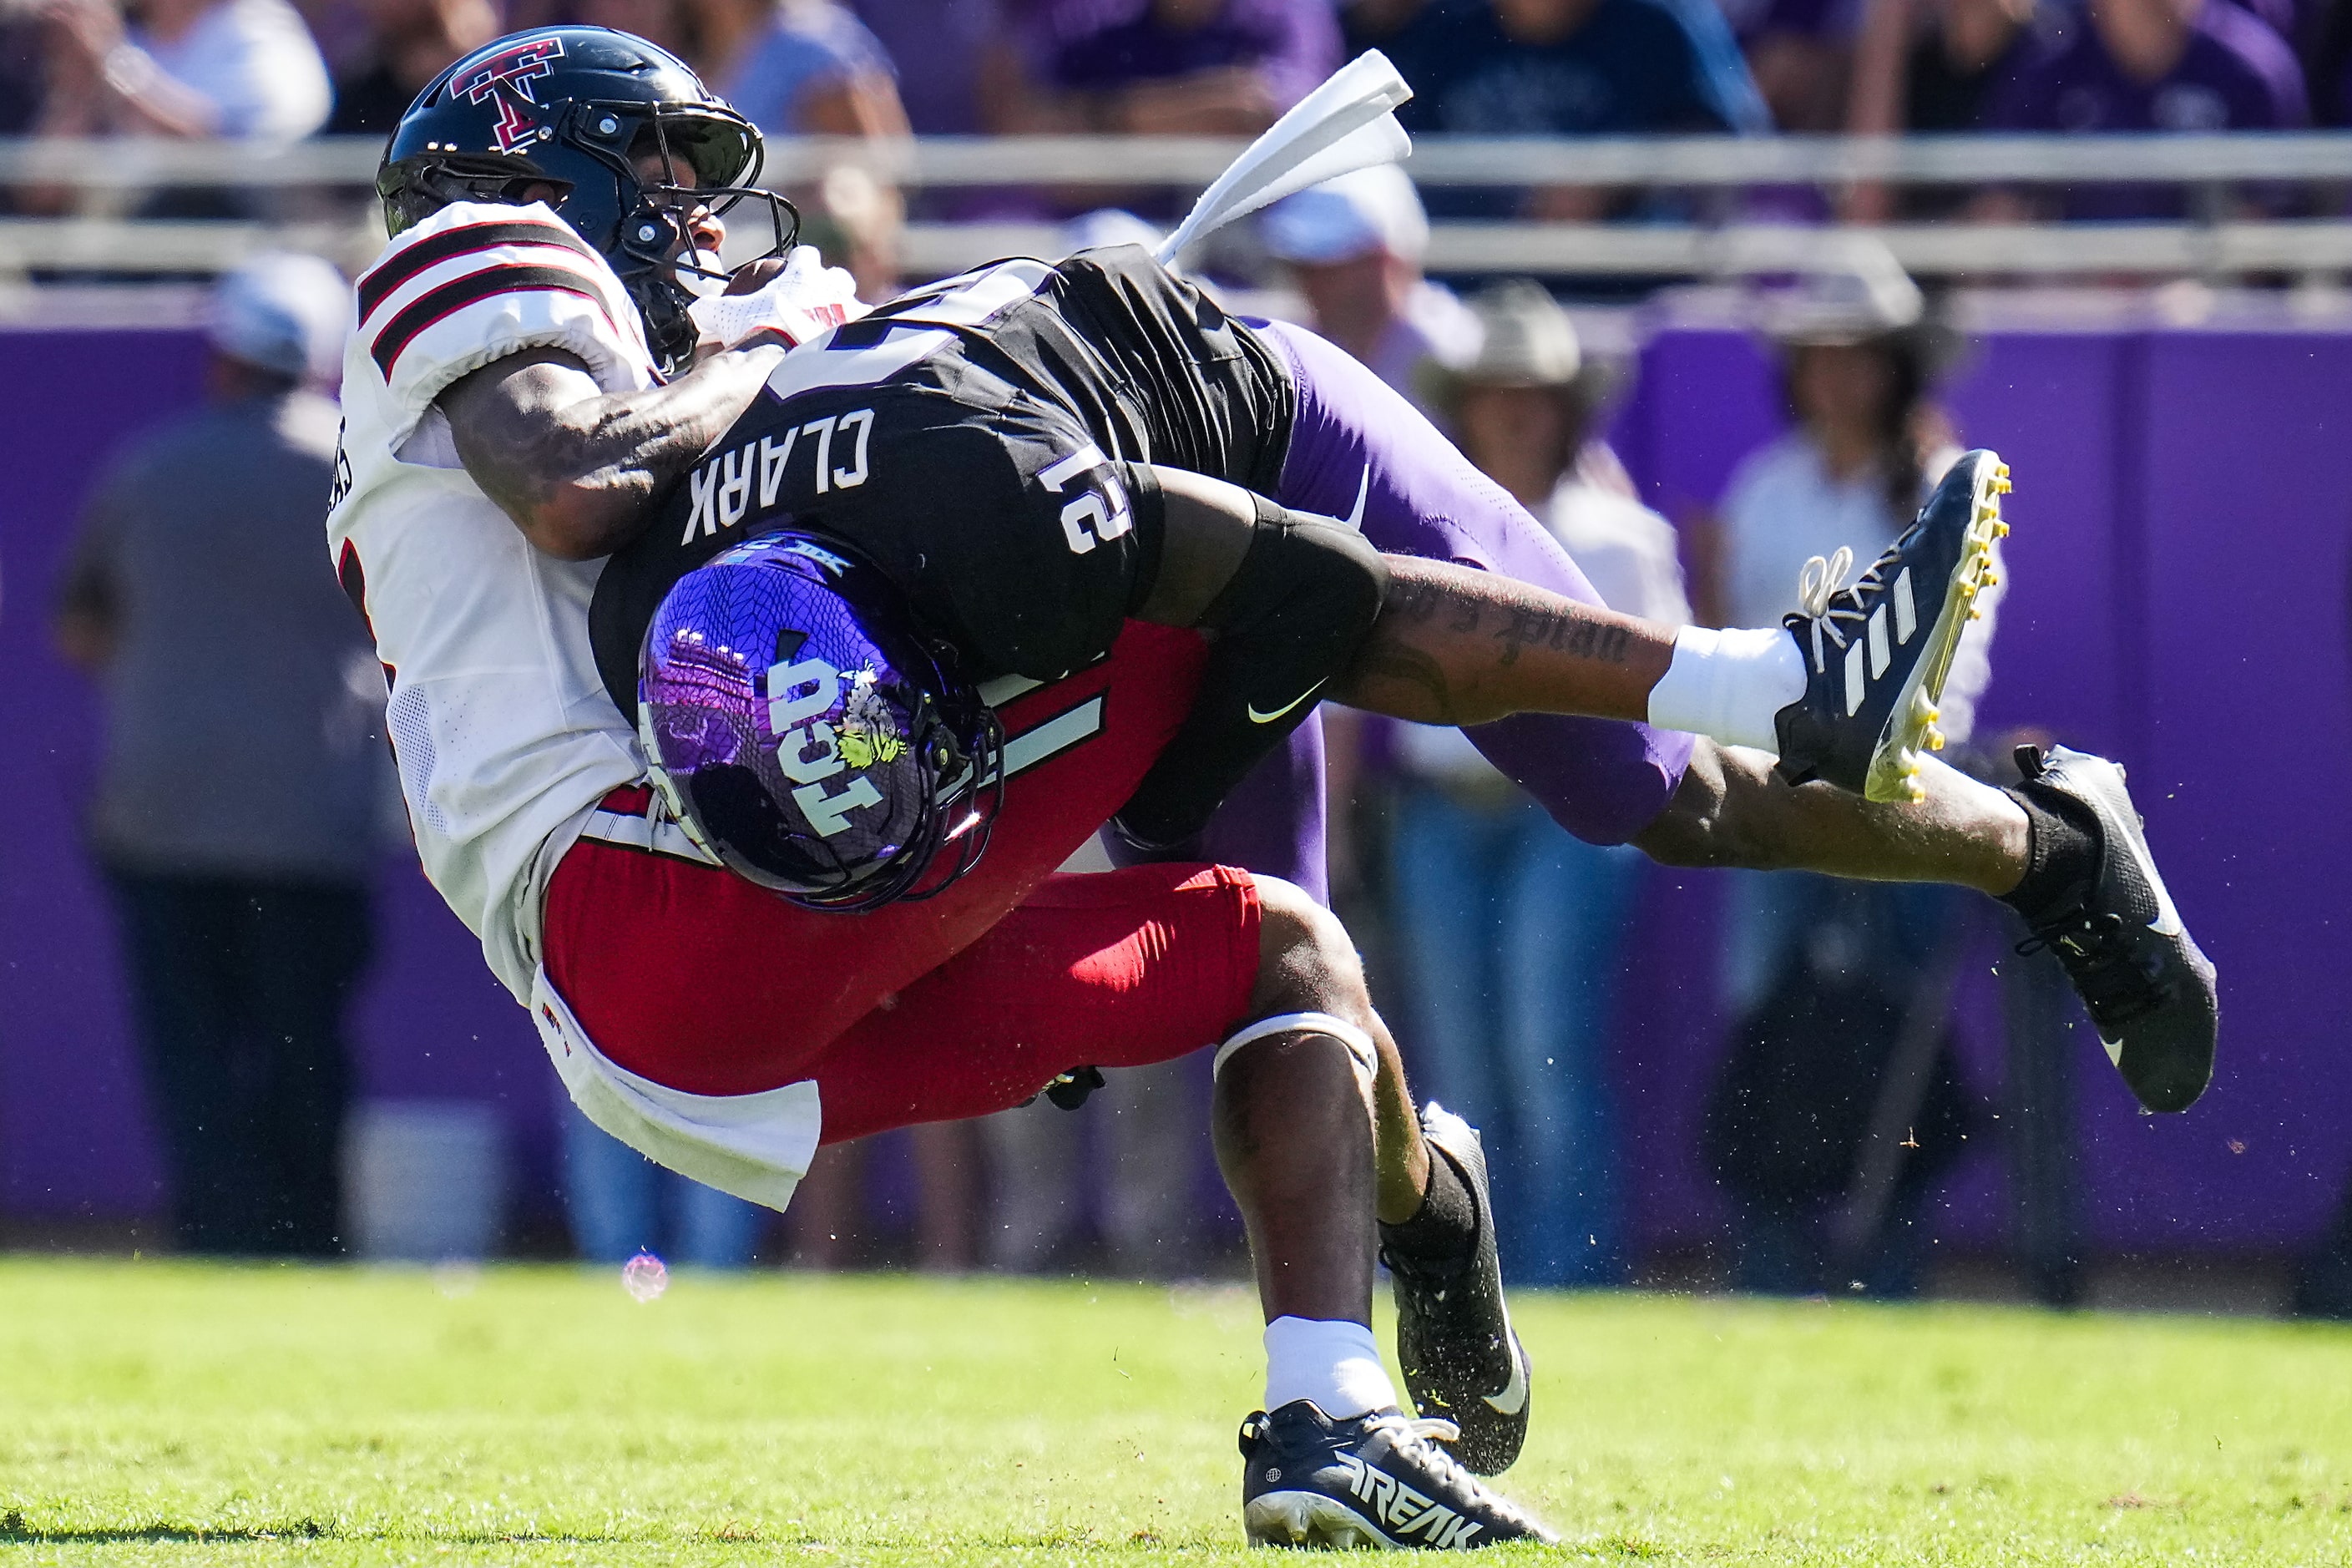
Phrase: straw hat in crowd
pixel 1861 295
pixel 1525 339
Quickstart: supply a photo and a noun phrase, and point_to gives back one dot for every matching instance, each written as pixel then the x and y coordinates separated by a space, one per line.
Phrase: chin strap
pixel 670 331
pixel 652 251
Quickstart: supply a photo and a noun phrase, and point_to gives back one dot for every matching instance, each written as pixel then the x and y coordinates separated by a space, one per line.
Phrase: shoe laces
pixel 1421 1434
pixel 1426 1428
pixel 1836 613
pixel 2094 949
pixel 2087 938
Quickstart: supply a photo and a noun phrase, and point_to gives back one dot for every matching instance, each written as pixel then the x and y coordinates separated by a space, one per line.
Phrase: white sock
pixel 1334 1363
pixel 1727 685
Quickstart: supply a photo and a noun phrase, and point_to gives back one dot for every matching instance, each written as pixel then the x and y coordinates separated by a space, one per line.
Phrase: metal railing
pixel 326 181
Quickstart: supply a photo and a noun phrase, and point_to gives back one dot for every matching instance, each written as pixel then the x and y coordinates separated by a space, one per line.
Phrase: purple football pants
pixel 1358 449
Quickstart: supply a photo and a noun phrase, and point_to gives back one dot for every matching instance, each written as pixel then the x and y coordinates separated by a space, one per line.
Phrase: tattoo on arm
pixel 1381 658
pixel 1416 603
pixel 517 436
pixel 1576 635
pixel 574 467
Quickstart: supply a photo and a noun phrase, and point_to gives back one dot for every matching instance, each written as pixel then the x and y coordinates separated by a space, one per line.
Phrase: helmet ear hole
pixel 651 234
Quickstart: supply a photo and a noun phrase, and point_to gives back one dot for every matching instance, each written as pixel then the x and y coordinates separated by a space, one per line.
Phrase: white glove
pixel 805 298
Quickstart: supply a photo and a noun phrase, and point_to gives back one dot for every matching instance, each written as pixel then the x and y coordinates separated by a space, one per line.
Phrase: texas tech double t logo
pixel 512 69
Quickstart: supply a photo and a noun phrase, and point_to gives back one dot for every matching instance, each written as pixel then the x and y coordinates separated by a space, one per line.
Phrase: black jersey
pixel 981 441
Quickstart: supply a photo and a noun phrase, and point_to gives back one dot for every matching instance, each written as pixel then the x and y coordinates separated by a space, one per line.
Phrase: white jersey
pixel 505 738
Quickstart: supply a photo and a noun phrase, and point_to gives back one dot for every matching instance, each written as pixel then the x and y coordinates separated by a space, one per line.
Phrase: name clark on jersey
pixel 721 487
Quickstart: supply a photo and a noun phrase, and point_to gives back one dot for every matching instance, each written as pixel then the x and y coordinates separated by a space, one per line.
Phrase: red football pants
pixel 956 1006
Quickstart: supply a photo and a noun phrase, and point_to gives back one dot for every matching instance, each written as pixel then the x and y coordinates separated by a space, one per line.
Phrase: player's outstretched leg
pixel 1463 1361
pixel 2064 849
pixel 1316 1140
pixel 1844 691
pixel 1846 694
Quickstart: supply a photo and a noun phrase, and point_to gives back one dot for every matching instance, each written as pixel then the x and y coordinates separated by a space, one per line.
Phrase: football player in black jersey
pixel 1040 457
pixel 1036 453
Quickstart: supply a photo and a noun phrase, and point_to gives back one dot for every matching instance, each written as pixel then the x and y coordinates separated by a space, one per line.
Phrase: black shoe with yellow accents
pixel 1377 1480
pixel 1877 650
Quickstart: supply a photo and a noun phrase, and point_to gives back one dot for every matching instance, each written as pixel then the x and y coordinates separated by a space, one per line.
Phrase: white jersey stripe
pixel 500 284
pixel 513 227
pixel 590 270
pixel 432 296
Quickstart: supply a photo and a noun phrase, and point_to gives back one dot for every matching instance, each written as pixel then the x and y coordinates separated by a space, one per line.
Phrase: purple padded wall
pixel 2247 510
pixel 73 1131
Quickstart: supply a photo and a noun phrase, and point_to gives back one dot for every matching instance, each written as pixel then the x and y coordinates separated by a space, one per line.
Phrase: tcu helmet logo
pixel 514 69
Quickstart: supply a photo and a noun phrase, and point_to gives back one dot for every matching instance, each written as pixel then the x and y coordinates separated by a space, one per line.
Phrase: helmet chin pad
pixel 653 245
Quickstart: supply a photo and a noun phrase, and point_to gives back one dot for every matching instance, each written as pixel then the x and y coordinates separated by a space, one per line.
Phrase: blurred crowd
pixel 272 71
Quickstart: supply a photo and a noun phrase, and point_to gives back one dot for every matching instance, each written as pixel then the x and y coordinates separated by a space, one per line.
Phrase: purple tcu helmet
pixel 805 734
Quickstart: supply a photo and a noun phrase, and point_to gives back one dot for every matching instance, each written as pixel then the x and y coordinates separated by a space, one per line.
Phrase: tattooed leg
pixel 1457 645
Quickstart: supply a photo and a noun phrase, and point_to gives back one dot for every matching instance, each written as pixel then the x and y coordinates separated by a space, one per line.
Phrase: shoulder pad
pixel 472 251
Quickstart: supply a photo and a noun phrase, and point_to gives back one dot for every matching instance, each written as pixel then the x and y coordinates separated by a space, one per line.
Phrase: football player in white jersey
pixel 523 395
pixel 502 732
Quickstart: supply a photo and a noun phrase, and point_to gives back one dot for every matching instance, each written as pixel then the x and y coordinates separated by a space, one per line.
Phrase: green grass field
pixel 157 1413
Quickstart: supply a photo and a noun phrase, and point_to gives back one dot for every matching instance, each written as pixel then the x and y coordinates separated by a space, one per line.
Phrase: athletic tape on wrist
pixel 1360 1049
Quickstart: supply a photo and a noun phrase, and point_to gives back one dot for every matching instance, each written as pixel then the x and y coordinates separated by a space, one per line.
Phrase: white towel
pixel 1345 124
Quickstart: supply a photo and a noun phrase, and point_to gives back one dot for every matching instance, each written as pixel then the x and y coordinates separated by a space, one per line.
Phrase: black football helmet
pixel 578 109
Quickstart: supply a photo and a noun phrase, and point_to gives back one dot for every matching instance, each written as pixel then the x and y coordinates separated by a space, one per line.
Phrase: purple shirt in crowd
pixel 1086 46
pixel 2236 74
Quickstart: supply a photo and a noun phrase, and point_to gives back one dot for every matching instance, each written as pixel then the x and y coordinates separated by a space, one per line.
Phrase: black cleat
pixel 1372 1480
pixel 2147 988
pixel 1462 1363
pixel 1877 650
